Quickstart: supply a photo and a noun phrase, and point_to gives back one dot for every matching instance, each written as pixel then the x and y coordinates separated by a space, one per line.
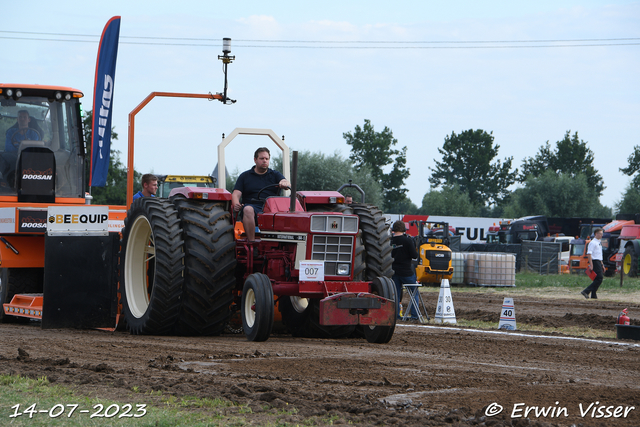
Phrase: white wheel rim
pixel 140 250
pixel 299 304
pixel 250 313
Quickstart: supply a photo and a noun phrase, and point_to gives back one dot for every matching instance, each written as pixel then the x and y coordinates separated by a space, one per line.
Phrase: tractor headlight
pixel 343 269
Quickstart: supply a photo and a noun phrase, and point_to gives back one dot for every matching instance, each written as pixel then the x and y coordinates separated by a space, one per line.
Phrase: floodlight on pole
pixel 226 60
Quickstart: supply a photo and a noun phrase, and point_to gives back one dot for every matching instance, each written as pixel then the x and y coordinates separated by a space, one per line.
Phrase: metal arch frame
pixel 131 131
pixel 222 179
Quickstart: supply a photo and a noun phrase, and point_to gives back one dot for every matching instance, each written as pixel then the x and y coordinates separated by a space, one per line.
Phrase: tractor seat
pixel 238 230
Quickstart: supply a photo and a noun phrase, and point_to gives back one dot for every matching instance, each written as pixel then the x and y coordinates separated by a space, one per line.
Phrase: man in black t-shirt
pixel 403 252
pixel 248 186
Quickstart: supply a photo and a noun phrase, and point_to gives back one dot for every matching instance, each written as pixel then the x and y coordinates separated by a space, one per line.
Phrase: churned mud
pixel 426 375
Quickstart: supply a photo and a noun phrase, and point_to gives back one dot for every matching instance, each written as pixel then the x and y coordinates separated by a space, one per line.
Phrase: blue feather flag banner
pixel 103 102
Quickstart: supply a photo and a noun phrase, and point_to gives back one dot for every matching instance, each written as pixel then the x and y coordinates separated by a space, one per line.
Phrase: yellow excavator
pixel 434 254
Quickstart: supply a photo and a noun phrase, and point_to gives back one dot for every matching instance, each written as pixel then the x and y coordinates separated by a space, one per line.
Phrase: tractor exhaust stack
pixel 294 182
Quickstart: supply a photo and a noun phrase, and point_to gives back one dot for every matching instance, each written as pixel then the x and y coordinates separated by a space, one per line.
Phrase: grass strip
pixel 61 406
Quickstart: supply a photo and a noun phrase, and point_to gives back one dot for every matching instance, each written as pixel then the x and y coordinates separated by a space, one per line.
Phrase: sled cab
pixel 41 144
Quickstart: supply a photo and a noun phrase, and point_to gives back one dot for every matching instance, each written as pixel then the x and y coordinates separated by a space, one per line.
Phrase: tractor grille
pixel 333 250
pixel 438 260
pixel 334 224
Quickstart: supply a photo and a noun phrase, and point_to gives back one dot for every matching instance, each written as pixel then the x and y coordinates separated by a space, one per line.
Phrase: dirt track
pixel 426 375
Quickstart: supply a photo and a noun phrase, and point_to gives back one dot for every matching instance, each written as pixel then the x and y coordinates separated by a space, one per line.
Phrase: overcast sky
pixel 526 71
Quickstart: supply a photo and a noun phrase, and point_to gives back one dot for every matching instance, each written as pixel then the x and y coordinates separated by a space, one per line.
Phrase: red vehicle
pixel 627 256
pixel 325 265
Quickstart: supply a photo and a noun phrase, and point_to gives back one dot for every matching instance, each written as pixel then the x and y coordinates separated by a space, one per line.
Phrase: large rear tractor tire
pixel 375 258
pixel 151 267
pixel 630 262
pixel 376 239
pixel 18 281
pixel 209 267
pixel 257 307
pixel 384 287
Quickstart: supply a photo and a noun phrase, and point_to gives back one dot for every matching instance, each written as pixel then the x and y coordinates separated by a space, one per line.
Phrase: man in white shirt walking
pixel 594 251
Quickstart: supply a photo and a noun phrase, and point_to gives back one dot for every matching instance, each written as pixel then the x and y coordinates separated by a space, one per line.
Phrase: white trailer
pixel 470 229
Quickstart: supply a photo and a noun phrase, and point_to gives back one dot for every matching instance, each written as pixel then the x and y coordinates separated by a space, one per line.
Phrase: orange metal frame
pixel 132 118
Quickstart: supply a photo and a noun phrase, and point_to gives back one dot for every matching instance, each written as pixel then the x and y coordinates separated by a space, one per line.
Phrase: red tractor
pixel 186 266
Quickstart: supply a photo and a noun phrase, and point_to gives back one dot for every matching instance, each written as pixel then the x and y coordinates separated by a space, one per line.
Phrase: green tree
pixel 233 177
pixel 553 194
pixel 468 161
pixel 115 191
pixel 405 206
pixel 374 151
pixel 450 201
pixel 570 157
pixel 317 171
pixel 634 166
pixel 630 202
pixel 495 211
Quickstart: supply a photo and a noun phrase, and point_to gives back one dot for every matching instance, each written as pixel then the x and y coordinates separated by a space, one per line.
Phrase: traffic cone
pixel 507 315
pixel 444 311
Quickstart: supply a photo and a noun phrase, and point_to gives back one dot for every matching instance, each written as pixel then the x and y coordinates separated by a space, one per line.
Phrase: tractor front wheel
pixel 151 267
pixel 384 287
pixel 257 307
pixel 630 262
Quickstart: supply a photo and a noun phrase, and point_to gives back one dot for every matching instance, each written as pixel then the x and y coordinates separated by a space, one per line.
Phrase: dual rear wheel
pixel 177 265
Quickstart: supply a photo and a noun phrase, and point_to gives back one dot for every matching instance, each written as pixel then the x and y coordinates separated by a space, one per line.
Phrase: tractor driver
pixel 248 186
pixel 17 134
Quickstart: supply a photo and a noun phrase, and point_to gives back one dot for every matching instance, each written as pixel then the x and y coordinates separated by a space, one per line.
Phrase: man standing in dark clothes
pixel 403 252
pixel 248 186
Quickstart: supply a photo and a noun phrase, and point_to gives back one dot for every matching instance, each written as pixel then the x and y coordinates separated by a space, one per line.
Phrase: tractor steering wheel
pixel 14 137
pixel 258 199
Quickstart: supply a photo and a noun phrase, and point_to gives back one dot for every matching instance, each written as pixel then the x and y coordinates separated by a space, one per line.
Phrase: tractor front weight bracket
pixel 357 309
